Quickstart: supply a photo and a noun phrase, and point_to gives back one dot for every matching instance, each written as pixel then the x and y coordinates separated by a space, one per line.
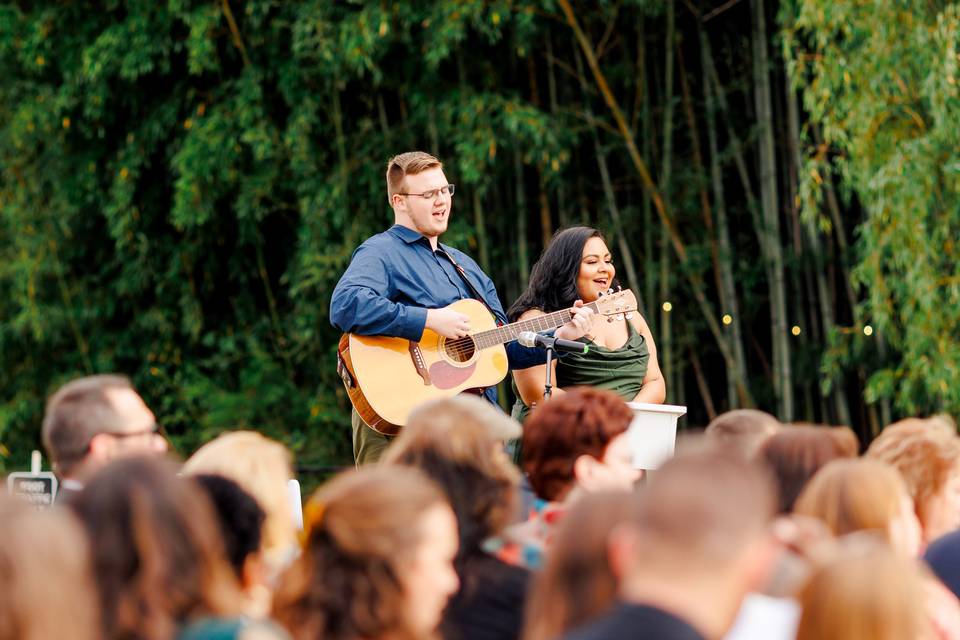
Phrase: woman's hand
pixel 580 324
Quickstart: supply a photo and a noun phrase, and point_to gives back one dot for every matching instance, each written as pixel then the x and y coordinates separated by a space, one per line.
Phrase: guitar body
pixel 389 377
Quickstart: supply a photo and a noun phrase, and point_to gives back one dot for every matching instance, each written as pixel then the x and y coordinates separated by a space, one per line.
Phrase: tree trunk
pixel 728 290
pixel 563 211
pixel 666 337
pixel 663 212
pixel 625 254
pixel 649 275
pixel 770 201
pixel 827 313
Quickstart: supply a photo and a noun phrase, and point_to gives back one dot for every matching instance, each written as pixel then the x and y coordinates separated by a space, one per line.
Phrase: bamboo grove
pixel 182 183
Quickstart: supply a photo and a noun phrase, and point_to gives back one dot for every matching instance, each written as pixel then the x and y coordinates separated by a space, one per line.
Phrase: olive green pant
pixel 368 445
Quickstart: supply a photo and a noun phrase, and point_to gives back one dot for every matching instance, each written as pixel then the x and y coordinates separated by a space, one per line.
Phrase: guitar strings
pixel 468 345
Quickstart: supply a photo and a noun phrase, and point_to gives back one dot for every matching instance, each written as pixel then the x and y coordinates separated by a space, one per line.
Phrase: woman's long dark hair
pixel 553 280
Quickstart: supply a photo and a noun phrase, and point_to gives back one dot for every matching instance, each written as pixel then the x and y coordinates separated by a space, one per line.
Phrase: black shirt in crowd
pixel 490 603
pixel 637 622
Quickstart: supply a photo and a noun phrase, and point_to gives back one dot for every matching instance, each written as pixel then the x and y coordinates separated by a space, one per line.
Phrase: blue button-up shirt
pixel 395 276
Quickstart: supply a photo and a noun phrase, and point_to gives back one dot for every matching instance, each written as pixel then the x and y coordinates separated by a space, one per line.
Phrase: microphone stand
pixel 548 383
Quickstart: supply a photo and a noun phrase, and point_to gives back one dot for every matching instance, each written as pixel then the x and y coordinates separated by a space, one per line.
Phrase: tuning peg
pixel 629 315
pixel 619 288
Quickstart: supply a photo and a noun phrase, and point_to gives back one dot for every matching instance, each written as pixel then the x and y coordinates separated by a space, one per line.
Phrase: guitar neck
pixel 509 332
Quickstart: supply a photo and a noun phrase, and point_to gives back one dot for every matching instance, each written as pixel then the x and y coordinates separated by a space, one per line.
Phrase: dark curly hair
pixel 553 279
pixel 581 421
pixel 359 526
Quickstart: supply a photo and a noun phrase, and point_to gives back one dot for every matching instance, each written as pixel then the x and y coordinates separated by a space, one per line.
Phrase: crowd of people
pixel 467 526
pixel 753 529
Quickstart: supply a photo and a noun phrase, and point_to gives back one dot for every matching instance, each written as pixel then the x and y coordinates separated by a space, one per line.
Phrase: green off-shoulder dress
pixel 619 370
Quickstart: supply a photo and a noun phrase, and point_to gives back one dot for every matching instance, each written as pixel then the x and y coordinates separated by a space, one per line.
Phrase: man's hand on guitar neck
pixel 448 323
pixel 579 325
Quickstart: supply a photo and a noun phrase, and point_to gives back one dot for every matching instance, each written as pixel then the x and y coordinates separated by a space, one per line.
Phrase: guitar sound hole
pixel 460 350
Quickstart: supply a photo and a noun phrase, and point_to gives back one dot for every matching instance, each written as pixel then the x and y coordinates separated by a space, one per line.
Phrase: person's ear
pixel 254 571
pixel 584 470
pixel 101 446
pixel 621 550
pixel 759 561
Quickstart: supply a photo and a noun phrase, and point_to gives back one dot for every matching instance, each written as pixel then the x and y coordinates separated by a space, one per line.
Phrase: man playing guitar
pixel 398 281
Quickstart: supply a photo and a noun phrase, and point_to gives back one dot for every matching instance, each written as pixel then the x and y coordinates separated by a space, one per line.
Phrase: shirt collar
pixel 71 485
pixel 406 234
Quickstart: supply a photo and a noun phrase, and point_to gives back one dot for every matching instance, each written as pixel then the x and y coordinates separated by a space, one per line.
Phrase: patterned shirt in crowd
pixel 524 544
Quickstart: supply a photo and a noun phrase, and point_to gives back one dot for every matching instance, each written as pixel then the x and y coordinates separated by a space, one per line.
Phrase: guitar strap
pixel 463 275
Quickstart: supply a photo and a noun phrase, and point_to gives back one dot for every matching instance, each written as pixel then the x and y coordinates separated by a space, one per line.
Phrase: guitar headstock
pixel 616 305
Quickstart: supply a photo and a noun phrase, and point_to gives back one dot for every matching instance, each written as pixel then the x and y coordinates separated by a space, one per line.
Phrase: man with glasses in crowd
pixel 93 420
pixel 399 281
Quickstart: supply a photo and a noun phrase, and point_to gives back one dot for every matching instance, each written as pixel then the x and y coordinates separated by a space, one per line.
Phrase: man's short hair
pixel 742 430
pixel 78 411
pixel 701 508
pixel 582 421
pixel 407 164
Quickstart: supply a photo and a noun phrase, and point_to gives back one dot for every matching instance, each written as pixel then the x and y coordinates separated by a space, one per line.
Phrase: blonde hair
pixel 407 164
pixel 854 495
pixel 262 467
pixel 47 590
pixel 925 452
pixel 869 594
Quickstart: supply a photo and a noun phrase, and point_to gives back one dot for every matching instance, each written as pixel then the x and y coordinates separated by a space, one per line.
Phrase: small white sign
pixel 39 489
pixel 653 433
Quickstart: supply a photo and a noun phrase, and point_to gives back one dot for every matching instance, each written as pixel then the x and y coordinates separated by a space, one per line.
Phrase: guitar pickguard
pixel 446 376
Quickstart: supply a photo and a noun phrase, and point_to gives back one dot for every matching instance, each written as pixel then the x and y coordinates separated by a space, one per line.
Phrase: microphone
pixel 531 339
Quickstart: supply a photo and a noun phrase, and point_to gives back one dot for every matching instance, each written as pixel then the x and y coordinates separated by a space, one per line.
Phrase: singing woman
pixel 577 265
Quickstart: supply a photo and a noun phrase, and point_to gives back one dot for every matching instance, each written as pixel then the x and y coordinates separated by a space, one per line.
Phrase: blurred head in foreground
pixel 262 467
pixel 742 430
pixel 695 544
pixel 157 554
pixel 851 495
pixel 241 528
pixel 577 583
pixel 798 451
pixel 867 594
pixel 458 442
pixel 46 588
pixel 578 440
pixel 377 560
pixel 927 455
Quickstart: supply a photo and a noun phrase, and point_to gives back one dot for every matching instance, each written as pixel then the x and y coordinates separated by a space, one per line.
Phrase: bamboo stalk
pixel 725 256
pixel 664 214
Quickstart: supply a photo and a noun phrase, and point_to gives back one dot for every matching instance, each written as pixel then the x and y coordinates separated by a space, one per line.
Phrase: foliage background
pixel 182 182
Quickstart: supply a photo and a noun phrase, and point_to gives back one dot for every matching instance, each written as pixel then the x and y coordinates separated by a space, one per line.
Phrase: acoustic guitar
pixel 386 378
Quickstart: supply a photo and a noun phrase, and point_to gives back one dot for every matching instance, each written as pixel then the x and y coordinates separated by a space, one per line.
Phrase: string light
pixel 726 319
pixel 667 306
pixel 795 330
pixel 867 330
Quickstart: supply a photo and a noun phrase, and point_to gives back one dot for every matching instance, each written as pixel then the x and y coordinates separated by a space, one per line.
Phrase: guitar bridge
pixel 417 356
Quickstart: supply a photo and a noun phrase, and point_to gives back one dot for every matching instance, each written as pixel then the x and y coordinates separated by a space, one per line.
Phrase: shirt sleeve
pixel 361 301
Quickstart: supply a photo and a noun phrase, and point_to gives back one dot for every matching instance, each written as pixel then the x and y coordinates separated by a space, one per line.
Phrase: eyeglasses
pixel 156 429
pixel 433 193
